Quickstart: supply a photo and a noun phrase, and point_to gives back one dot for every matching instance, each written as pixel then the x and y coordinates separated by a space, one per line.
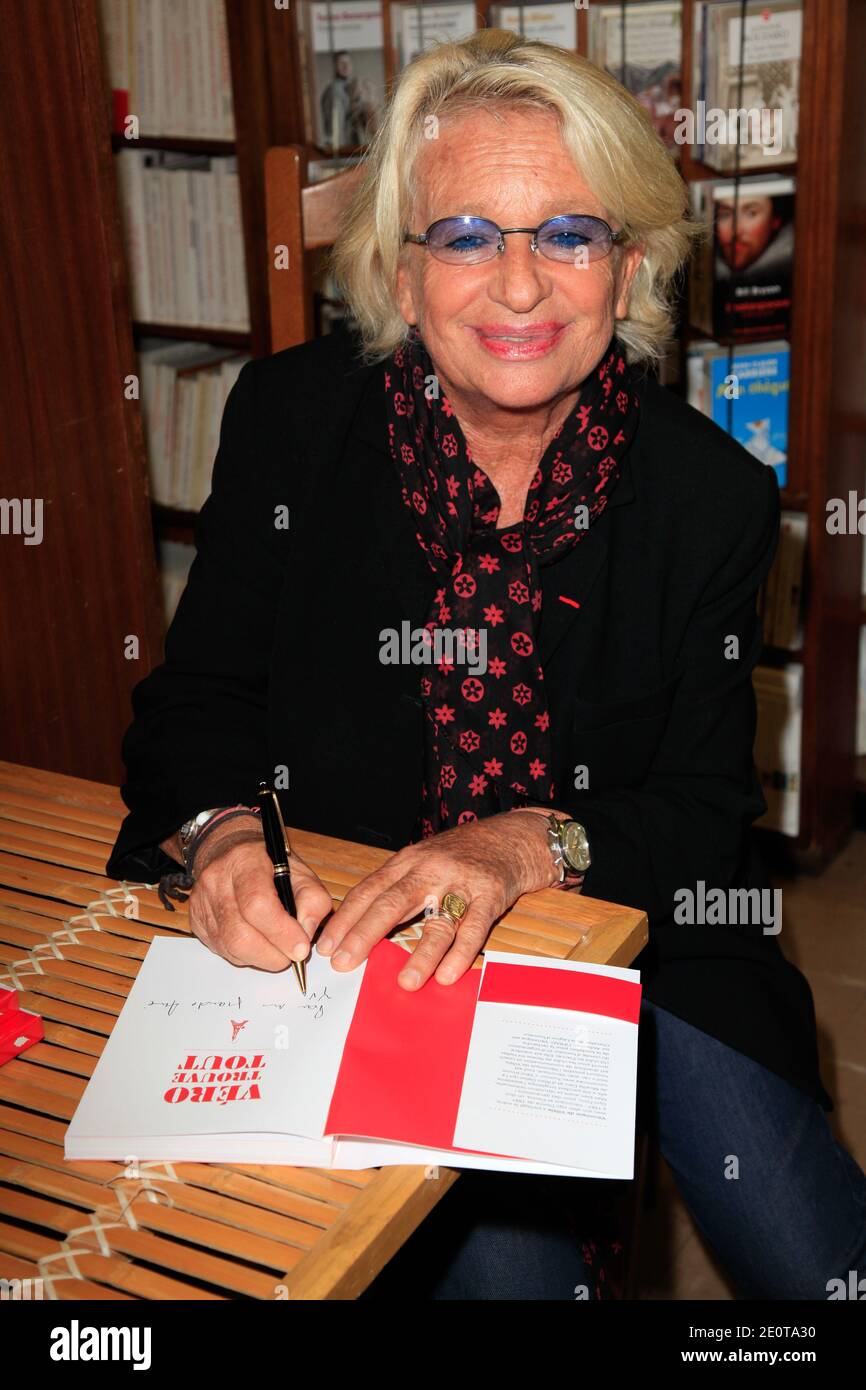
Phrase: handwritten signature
pixel 316 1002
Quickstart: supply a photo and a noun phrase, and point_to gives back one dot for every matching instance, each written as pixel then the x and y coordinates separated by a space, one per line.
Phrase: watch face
pixel 189 827
pixel 575 845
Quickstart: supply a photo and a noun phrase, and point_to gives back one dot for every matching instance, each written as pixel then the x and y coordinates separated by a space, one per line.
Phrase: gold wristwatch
pixel 570 848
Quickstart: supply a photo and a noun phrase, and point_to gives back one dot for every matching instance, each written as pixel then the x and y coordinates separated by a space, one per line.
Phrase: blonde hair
pixel 607 132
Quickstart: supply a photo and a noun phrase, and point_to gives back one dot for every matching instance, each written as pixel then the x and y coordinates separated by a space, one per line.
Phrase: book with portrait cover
pixel 742 272
pixel 526 1065
pixel 341 47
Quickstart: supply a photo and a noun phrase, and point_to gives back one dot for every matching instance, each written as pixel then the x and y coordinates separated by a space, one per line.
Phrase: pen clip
pixel 267 794
pixel 281 823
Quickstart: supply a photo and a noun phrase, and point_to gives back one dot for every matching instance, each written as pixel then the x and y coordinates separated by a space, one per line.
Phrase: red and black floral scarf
pixel 487 732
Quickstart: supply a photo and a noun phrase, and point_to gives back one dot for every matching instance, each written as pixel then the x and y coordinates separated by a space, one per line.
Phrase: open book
pixel 528 1065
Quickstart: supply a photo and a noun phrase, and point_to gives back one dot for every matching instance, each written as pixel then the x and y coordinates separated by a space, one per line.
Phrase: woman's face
pixel 755 226
pixel 516 172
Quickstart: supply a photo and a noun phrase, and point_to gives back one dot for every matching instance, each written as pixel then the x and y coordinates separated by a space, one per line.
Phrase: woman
pixel 496 461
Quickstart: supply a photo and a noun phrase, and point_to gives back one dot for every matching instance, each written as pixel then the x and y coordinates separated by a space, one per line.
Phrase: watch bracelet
pixel 190 850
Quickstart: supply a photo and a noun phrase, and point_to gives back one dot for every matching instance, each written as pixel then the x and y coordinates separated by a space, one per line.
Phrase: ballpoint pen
pixel 277 844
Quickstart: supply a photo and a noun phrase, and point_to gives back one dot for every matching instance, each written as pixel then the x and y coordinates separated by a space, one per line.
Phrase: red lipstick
pixel 519 343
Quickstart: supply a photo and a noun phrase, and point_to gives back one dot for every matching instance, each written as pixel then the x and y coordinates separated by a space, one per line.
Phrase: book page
pixel 351 1154
pixel 551 1073
pixel 205 1048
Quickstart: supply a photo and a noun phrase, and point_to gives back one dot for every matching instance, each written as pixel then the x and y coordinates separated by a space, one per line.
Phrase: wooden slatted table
pixel 71 941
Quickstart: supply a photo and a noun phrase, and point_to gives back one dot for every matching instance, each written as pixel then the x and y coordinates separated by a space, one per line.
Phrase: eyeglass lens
pixel 469 240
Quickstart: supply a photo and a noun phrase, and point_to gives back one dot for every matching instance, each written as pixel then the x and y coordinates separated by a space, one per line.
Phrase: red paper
pixel 560 989
pixel 402 1070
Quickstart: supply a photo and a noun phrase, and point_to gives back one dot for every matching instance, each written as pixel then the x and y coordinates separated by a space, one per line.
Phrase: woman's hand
pixel 489 863
pixel 234 908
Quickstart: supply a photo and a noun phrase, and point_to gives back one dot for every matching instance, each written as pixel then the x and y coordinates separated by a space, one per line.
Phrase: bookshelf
pixel 826 431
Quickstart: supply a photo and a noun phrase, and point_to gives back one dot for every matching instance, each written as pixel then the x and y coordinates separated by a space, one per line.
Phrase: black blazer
pixel 272 661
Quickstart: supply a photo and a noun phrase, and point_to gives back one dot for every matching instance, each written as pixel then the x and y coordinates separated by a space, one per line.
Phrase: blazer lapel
pixel 567 585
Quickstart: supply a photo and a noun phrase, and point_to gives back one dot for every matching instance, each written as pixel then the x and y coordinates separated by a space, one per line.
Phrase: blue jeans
pixel 793 1218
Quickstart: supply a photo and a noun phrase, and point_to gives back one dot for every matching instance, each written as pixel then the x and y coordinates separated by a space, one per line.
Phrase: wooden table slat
pixel 233 1275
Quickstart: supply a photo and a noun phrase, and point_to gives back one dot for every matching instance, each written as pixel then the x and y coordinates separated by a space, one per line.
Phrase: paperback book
pixel 745 390
pixel 526 1065
pixel 742 272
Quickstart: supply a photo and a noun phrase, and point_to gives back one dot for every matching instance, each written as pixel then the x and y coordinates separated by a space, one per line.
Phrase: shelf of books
pixel 745 310
pixel 173 136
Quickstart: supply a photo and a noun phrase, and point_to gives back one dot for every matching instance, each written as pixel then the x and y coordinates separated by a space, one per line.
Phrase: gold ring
pixel 453 908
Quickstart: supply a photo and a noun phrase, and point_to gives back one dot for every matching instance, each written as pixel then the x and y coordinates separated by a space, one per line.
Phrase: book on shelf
pixel 342 61
pixel 779 696
pixel 527 1065
pixel 555 24
pixel 746 112
pixel 415 27
pixel 644 54
pixel 168 65
pixel 781 597
pixel 184 388
pixel 745 390
pixel 742 272
pixel 175 560
pixel 184 238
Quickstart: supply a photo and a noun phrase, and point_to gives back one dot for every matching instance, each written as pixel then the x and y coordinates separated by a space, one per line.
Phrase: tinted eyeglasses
pixel 572 237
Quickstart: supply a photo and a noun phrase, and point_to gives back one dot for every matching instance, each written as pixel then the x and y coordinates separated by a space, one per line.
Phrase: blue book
pixel 757 413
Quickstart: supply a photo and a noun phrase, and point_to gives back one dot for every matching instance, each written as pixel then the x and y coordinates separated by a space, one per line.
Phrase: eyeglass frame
pixel 421 238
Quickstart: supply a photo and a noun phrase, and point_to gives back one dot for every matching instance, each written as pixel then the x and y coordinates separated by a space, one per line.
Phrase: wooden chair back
pixel 301 217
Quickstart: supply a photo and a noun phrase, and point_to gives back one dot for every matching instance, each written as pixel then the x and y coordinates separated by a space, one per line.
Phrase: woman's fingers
pixel 235 909
pixel 471 935
pixel 447 950
pixel 261 910
pixel 462 862
pixel 357 901
pixel 312 899
pixel 395 904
